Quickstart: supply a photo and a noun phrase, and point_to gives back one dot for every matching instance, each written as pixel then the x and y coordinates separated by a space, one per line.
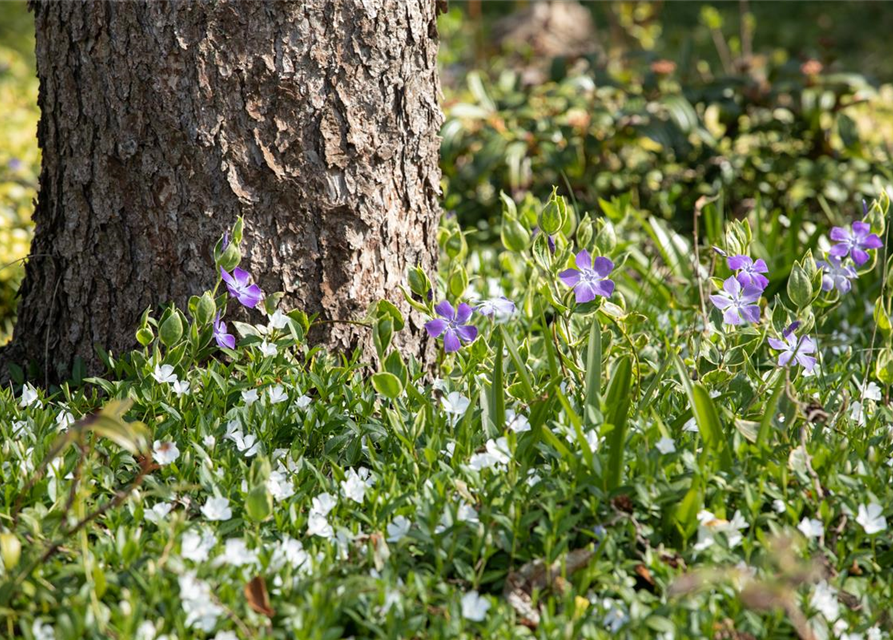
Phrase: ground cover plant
pixel 627 432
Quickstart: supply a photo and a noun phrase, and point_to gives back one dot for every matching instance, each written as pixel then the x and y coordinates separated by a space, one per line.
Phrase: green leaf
pixel 520 367
pixel 618 400
pixel 594 365
pixel 387 384
pixel 769 411
pixel 497 388
pixel 706 417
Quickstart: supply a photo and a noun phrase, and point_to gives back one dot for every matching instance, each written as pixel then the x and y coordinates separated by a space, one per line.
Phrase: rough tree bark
pixel 162 122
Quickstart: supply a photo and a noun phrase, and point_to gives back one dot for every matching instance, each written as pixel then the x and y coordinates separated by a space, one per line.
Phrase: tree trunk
pixel 163 121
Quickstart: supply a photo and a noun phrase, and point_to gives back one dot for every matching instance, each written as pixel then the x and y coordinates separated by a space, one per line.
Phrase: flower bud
pixel 259 503
pixel 605 239
pixel 514 236
pixel 799 286
pixel 205 308
pixel 230 257
pixel 552 215
pixel 458 282
pixel 145 336
pixel 419 283
pixel 10 550
pixel 171 330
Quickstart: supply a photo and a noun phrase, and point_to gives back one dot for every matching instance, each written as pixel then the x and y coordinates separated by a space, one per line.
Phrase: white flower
pixel 276 394
pixel 201 610
pixel 317 525
pixel 455 404
pixel 197 546
pixel 280 486
pixel 269 350
pixel 533 478
pixel 21 428
pixel 164 373
pixel 29 397
pixel 690 426
pixel 666 445
pixel 353 486
pixel 857 413
pixel 398 528
pixel 236 553
pixel 497 455
pixel 440 385
pixel 278 320
pixel 303 402
pixel 593 440
pixel 824 600
pixel 248 445
pixel 209 441
pixel 249 397
pixel 871 518
pixel 779 506
pixel 811 528
pixel 709 525
pixel 42 631
pixel 450 448
pixel 146 631
pixel 475 606
pixel 615 615
pixel 871 391
pixel 180 387
pixel 292 552
pixel 165 452
pixel 226 635
pixel 217 509
pixel 64 420
pixel 516 422
pixel 159 512
pixel 323 504
pixel 467 513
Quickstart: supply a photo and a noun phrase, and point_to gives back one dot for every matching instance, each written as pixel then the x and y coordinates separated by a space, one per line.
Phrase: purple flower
pixel 499 308
pixel 836 275
pixel 854 242
pixel 451 325
pixel 551 242
pixel 800 349
pixel 749 272
pixel 590 278
pixel 224 339
pixel 239 287
pixel 737 301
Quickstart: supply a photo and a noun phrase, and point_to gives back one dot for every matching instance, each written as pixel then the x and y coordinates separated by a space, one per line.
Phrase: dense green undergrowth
pixel 628 465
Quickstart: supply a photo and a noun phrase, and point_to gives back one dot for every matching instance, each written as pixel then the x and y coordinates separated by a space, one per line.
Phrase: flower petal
pixel 872 242
pixel 570 277
pixel 859 256
pixel 602 266
pixel 604 288
pixel 751 313
pixel 584 261
pixel 732 286
pixel 584 292
pixel 738 262
pixel 445 310
pixel 720 302
pixel 839 234
pixel 839 250
pixel 451 342
pixel 775 343
pixel 467 332
pixel 241 277
pixel 435 327
pixel 730 316
pixel 463 313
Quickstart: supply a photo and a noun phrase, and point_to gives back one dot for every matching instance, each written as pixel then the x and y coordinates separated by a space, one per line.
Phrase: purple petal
pixel 738 262
pixel 827 283
pixel 225 340
pixel 760 266
pixel 808 362
pixel 784 358
pixel 463 313
pixel 435 327
pixel 751 293
pixel 467 332
pixel 807 345
pixel 584 260
pixel 451 342
pixel 504 305
pixel 730 316
pixel 859 257
pixel 839 250
pixel 791 328
pixel 751 313
pixel 872 242
pixel 731 286
pixel 228 279
pixel 861 229
pixel 839 234
pixel 445 310
pixel 843 285
pixel 251 296
pixel 720 302
pixel 241 277
pixel 775 343
pixel 584 292
pixel 604 288
pixel 570 277
pixel 602 267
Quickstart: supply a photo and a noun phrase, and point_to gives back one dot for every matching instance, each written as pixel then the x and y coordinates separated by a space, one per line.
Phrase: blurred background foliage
pixel 783 110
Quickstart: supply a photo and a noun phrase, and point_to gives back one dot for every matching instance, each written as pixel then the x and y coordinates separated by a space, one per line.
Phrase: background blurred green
pixel 784 108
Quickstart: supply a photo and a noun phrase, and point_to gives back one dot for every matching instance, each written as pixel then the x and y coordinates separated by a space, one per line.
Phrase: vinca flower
pixel 224 340
pixel 749 271
pixel 164 453
pixel 164 373
pixel 871 517
pixel 217 509
pixel 800 349
pixel 836 275
pixel 239 287
pixel 452 326
pixel 855 242
pixel 398 529
pixel 590 278
pixel 500 308
pixel 811 528
pixel 475 606
pixel 738 303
